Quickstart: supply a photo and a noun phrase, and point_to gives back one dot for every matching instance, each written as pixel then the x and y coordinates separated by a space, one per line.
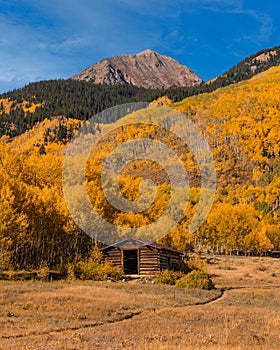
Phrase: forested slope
pixel 241 123
pixel 21 109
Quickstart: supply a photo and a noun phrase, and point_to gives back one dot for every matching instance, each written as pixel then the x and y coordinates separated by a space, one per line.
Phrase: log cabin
pixel 137 257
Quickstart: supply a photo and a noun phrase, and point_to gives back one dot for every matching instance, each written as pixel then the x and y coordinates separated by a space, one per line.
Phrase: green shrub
pixel 70 270
pixel 96 254
pixel 183 266
pixel 196 263
pixel 43 272
pixel 110 271
pixel 89 270
pixel 168 277
pixel 92 270
pixel 195 279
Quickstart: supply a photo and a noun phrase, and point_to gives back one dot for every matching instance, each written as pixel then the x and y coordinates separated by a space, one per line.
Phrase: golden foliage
pixel 6 105
pixel 240 122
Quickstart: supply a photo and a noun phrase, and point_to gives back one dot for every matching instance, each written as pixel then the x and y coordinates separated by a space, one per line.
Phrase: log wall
pixel 114 256
pixel 168 259
pixel 149 261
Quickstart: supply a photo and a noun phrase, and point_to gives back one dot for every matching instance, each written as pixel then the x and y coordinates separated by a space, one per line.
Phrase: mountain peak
pixel 146 69
pixel 146 52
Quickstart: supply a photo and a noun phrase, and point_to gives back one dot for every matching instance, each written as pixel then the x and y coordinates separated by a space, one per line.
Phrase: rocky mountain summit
pixel 146 69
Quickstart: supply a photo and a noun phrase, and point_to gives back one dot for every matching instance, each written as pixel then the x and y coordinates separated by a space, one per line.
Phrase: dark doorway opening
pixel 130 262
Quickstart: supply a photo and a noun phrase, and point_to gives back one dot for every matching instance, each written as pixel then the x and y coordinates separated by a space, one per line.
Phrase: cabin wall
pixel 149 261
pixel 114 256
pixel 169 259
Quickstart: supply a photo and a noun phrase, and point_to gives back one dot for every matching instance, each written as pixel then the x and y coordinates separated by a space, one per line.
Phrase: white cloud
pixel 65 38
pixel 63 45
pixel 221 4
pixel 236 7
pixel 260 35
pixel 26 54
pixel 155 8
pixel 266 25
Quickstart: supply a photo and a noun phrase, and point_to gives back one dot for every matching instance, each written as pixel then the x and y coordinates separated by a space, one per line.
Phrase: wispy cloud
pixel 66 36
pixel 220 5
pixel 257 36
pixel 63 45
pixel 259 33
pixel 155 8
pixel 266 25
pixel 28 54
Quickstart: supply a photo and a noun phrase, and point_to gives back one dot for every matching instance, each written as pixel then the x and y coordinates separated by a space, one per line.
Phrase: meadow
pixel 243 312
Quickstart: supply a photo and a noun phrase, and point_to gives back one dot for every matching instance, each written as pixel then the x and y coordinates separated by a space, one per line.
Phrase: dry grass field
pixel 242 313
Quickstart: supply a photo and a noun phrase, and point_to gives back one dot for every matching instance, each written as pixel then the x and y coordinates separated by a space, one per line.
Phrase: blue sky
pixel 51 39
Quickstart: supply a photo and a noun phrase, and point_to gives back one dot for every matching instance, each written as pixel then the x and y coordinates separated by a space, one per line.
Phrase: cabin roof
pixel 137 243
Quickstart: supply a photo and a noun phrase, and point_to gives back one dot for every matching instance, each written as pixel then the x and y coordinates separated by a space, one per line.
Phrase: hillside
pixel 241 124
pixel 146 69
pixel 247 68
pixel 21 109
pixel 73 99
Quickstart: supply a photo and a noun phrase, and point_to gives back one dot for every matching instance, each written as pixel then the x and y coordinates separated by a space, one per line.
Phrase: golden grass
pixel 101 315
pixel 242 271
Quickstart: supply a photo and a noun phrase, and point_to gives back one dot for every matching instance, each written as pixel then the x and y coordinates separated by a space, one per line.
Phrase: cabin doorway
pixel 130 262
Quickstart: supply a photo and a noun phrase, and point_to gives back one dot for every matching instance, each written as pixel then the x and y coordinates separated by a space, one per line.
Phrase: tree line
pixel 82 100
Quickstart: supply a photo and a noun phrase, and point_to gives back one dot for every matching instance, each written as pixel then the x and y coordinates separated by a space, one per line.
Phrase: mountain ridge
pixel 146 69
pixel 21 109
pixel 258 62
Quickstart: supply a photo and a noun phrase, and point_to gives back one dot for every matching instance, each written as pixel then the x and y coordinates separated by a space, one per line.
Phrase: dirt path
pixel 224 292
pixel 75 328
pixel 110 321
